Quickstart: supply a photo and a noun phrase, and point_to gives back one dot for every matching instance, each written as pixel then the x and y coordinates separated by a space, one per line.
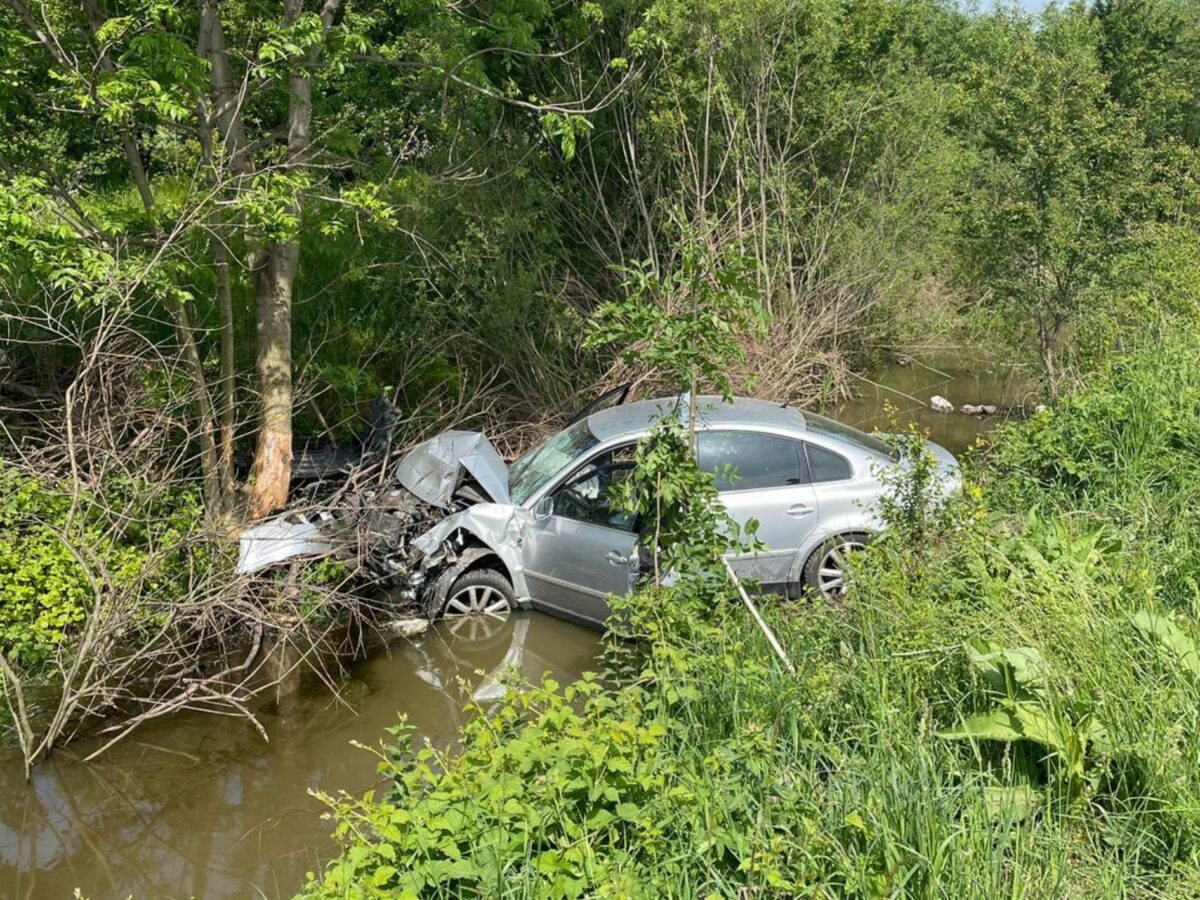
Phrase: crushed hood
pixel 433 470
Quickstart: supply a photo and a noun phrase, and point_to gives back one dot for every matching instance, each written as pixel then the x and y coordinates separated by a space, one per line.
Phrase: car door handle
pixel 616 559
pixel 796 510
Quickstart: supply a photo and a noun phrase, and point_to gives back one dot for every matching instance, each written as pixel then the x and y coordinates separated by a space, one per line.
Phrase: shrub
pixel 45 590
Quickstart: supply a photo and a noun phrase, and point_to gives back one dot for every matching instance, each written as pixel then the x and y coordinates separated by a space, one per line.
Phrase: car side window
pixel 747 460
pixel 825 465
pixel 584 497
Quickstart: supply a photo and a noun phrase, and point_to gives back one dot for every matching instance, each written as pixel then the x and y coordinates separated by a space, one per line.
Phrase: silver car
pixel 541 532
pixel 547 536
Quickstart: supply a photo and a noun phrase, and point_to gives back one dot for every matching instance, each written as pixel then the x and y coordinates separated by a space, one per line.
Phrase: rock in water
pixel 941 404
pixel 403 628
pixel 985 409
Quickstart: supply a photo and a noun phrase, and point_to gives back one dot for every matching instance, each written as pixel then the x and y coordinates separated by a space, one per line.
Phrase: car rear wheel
pixel 826 570
pixel 479 592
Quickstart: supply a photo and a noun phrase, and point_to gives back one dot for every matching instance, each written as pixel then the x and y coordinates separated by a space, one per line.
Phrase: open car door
pixel 608 399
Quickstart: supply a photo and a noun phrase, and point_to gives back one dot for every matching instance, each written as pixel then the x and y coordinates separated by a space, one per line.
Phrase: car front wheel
pixel 826 570
pixel 479 592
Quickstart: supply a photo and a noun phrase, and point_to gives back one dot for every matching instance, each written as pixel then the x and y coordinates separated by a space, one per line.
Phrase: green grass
pixel 708 770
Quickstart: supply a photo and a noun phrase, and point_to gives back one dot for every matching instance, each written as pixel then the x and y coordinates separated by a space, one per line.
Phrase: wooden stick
pixel 766 629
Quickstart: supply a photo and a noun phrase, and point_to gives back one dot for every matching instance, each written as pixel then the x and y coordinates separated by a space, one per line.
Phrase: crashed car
pixel 467 534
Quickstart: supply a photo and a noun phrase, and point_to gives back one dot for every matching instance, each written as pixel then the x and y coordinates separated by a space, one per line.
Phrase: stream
pixel 200 806
pixel 908 388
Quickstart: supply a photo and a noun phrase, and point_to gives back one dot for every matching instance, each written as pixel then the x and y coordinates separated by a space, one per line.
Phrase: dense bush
pixel 43 590
pixel 1134 429
pixel 52 545
pixel 1121 455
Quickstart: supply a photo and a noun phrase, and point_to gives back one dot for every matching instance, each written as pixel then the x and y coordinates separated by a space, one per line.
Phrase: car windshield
pixel 547 459
pixel 848 435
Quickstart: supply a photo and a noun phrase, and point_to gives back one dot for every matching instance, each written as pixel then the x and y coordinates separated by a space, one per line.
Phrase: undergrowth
pixel 1006 708
pixel 50 539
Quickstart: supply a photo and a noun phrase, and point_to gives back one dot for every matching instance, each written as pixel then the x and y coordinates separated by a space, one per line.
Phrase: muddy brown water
pixel 200 806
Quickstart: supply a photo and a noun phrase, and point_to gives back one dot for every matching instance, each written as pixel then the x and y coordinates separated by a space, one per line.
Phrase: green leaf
pixel 628 811
pixel 1170 637
pixel 998 725
pixel 383 875
pixel 1007 669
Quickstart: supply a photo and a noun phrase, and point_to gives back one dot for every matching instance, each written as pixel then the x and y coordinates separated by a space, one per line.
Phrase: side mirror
pixel 543 508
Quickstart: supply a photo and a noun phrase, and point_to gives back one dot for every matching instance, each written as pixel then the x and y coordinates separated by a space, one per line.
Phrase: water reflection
pixel 909 388
pixel 198 806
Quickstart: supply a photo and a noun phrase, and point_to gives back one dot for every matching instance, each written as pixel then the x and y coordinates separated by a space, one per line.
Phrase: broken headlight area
pixel 374 528
pixel 371 530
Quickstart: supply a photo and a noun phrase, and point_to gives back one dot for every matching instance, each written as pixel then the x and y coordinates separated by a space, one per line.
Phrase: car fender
pixel 865 521
pixel 496 527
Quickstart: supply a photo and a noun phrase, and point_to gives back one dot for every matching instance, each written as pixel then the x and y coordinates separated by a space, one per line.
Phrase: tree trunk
pixel 214 497
pixel 228 383
pixel 227 379
pixel 273 269
pixel 137 170
pixel 226 116
pixel 226 103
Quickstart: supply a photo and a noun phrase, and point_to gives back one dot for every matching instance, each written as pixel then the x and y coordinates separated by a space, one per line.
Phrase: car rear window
pixel 848 435
pixel 746 460
pixel 825 465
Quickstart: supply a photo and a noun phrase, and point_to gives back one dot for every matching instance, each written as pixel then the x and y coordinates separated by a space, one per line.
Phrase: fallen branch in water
pixel 189 693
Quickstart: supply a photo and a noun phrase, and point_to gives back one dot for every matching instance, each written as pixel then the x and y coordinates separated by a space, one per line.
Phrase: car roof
pixel 711 412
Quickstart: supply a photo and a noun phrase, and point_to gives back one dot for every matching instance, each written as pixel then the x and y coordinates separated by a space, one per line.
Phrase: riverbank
pixel 1002 707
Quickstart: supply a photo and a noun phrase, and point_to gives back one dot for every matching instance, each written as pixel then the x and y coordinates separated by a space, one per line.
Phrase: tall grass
pixel 709 771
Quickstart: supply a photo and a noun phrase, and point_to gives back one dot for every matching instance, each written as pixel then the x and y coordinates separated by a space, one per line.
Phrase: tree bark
pixel 214 496
pixel 223 113
pixel 228 385
pixel 227 379
pixel 273 269
pixel 226 103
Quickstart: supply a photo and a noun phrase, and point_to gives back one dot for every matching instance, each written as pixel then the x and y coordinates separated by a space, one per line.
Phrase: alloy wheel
pixel 831 574
pixel 476 600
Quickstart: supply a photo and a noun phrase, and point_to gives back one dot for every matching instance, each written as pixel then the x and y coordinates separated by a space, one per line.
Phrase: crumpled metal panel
pixel 496 526
pixel 272 542
pixel 431 470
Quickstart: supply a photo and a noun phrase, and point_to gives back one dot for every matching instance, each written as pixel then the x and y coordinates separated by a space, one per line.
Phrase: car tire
pixel 824 572
pixel 480 592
